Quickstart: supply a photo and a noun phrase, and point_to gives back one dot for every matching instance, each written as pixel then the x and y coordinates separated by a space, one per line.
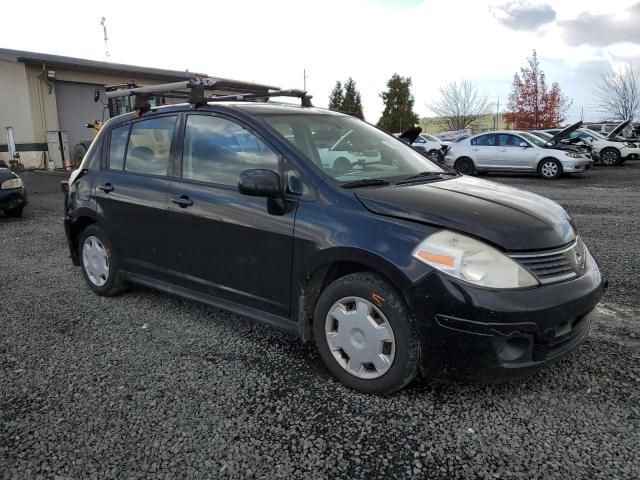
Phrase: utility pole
pixel 498 115
pixel 582 114
pixel 304 79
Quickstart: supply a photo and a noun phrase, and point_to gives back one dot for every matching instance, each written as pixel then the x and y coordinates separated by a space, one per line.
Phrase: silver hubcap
pixel 609 157
pixel 549 169
pixel 360 337
pixel 95 261
pixel 434 156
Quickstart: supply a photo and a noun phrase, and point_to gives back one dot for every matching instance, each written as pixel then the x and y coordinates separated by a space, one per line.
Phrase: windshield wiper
pixel 426 174
pixel 364 182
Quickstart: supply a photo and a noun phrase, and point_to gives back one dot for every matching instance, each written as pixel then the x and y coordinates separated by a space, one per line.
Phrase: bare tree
pixel 460 104
pixel 618 93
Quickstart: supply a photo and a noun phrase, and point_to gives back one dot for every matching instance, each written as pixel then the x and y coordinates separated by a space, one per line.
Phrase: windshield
pixel 543 135
pixel 430 138
pixel 349 149
pixel 537 141
pixel 597 135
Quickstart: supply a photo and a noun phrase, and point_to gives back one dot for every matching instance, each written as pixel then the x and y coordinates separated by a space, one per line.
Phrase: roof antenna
pixel 106 39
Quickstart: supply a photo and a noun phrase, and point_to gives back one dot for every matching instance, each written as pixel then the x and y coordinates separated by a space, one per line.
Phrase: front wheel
pixel 15 213
pixel 610 157
pixel 365 335
pixel 99 262
pixel 550 169
pixel 435 156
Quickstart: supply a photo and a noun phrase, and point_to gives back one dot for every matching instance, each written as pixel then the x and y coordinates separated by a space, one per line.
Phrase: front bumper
pixel 629 153
pixel 576 166
pixel 13 199
pixel 475 334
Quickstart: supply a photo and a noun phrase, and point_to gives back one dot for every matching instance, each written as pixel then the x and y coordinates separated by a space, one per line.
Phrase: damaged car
pixel 392 266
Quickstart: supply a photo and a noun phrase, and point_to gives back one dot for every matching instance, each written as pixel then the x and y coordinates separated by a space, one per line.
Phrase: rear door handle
pixel 106 188
pixel 183 201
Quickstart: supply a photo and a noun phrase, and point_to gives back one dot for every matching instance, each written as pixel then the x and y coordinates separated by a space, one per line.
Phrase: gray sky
pixel 433 41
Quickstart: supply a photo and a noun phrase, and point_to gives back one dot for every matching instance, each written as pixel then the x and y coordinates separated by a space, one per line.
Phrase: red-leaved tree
pixel 531 103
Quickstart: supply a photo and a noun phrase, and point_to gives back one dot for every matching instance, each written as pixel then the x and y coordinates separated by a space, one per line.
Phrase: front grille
pixel 555 266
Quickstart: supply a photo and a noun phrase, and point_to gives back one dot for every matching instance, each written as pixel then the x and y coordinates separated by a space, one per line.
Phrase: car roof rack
pixel 199 91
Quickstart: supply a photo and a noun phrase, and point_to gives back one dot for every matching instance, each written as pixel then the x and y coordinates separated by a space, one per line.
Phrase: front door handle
pixel 183 201
pixel 106 188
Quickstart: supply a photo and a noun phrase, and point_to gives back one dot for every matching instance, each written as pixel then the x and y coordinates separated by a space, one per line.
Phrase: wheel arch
pixel 82 220
pixel 326 271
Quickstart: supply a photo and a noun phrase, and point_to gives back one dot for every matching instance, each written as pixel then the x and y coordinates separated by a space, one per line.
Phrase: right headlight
pixel 471 260
pixel 11 183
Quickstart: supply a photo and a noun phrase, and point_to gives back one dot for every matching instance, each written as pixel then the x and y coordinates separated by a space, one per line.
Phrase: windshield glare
pixel 534 139
pixel 349 149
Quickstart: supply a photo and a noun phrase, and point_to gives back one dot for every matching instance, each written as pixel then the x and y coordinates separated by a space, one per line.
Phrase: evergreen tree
pixel 352 102
pixel 336 97
pixel 398 114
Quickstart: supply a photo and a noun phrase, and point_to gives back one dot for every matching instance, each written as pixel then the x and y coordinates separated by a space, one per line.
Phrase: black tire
pixel 114 283
pixel 435 156
pixel 465 166
pixel 342 164
pixel 15 213
pixel 77 154
pixel 610 157
pixel 388 300
pixel 549 168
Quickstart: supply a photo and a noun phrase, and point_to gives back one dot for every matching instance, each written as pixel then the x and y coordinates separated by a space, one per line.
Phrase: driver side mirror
pixel 524 144
pixel 260 182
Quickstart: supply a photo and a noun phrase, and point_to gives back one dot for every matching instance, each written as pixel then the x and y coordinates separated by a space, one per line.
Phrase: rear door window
pixel 484 141
pixel 150 146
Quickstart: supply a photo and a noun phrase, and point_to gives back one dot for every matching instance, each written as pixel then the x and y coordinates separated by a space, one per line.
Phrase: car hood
pixel 6 174
pixel 507 217
pixel 564 133
pixel 410 135
pixel 614 133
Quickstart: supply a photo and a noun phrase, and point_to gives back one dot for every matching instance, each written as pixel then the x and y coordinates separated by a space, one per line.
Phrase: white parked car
pixel 345 153
pixel 432 147
pixel 610 148
pixel 515 151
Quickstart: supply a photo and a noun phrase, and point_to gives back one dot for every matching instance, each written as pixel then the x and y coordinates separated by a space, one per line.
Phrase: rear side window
pixel 150 145
pixel 484 141
pixel 217 150
pixel 117 147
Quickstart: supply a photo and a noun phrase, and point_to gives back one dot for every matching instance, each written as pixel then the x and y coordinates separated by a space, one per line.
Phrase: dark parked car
pixel 13 194
pixel 393 267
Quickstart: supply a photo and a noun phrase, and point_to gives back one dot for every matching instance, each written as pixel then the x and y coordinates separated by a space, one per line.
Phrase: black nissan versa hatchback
pixel 392 265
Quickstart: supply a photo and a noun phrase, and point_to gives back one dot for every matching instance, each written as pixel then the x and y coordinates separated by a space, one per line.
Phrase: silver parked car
pixel 515 151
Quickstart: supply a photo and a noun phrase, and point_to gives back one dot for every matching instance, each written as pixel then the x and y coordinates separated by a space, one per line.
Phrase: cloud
pixel 603 30
pixel 523 15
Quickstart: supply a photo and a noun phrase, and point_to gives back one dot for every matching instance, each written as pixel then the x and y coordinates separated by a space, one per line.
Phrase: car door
pixel 231 246
pixel 484 151
pixel 513 156
pixel 131 191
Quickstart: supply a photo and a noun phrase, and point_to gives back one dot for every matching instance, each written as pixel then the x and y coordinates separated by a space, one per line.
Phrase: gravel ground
pixel 146 385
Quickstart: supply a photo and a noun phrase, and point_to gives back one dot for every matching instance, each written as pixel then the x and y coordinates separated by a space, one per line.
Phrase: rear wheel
pixel 364 332
pixel 550 168
pixel 465 166
pixel 610 157
pixel 99 262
